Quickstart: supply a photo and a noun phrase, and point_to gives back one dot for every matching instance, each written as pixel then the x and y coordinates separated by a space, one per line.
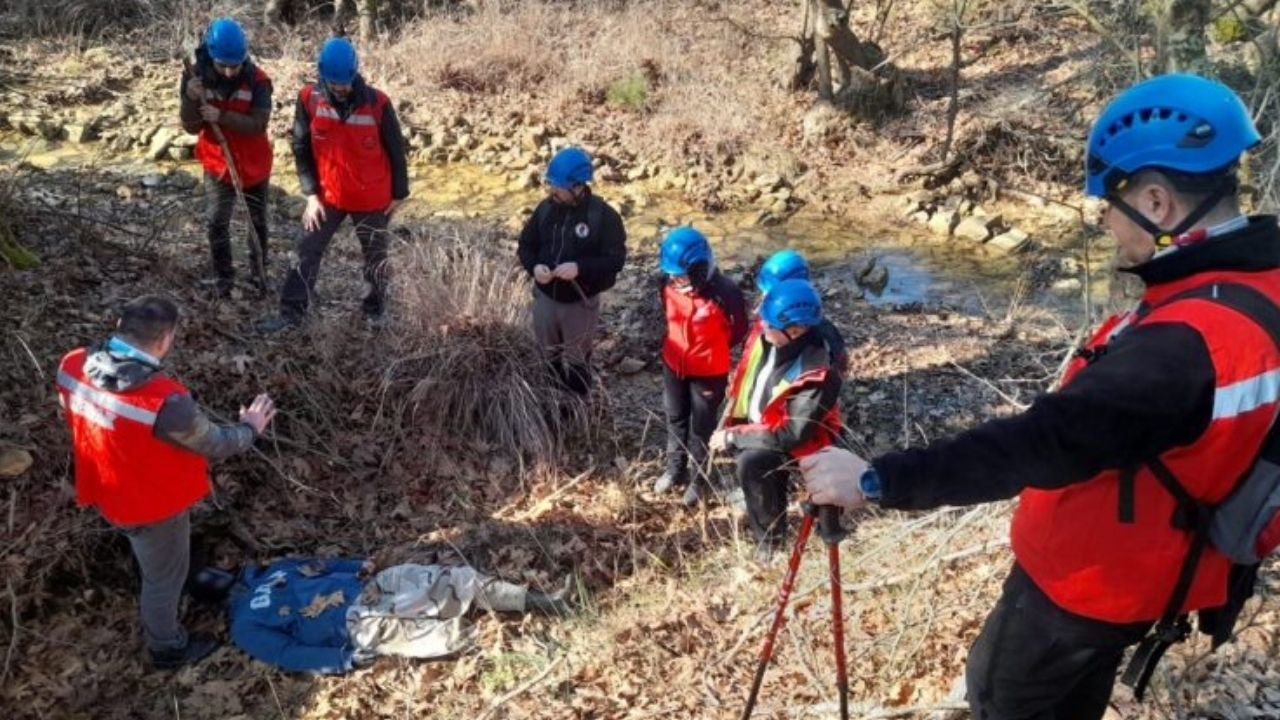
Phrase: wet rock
pixel 533 138
pixel 769 182
pixel 976 228
pixel 873 276
pixel 944 221
pixel 80 133
pixel 159 143
pixel 767 218
pixel 14 462
pixel 1067 286
pixel 1012 241
pixel 181 179
pixel 152 180
pixel 631 366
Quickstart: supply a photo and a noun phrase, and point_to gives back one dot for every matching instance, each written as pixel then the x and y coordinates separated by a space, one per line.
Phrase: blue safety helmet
pixel 570 167
pixel 225 41
pixel 1183 123
pixel 683 248
pixel 337 61
pixel 791 302
pixel 782 265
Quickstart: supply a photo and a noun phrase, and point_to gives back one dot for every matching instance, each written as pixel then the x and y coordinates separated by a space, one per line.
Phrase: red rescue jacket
pixel 809 373
pixel 703 327
pixel 1074 543
pixel 121 468
pixel 352 165
pixel 252 153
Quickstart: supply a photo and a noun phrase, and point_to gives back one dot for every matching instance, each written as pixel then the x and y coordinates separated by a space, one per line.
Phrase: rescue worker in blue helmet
pixel 351 162
pixel 783 404
pixel 706 317
pixel 790 265
pixel 573 246
pixel 224 88
pixel 1158 417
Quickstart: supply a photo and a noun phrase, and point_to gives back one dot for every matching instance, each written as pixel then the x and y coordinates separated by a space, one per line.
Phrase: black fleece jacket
pixel 590 234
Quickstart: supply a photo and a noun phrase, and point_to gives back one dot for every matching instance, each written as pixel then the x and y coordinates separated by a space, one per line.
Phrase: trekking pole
pixel 257 244
pixel 831 533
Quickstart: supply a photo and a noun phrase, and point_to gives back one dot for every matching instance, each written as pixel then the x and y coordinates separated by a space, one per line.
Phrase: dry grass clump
pixel 463 356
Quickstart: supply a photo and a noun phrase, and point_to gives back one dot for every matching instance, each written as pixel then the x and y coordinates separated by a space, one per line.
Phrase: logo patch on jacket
pixel 582 230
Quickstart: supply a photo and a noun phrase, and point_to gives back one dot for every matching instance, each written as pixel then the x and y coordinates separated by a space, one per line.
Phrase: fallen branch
pixel 13 635
pixel 1021 406
pixel 493 707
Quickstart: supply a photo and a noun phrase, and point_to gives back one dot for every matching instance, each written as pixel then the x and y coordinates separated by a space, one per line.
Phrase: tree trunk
pixel 803 68
pixel 1183 36
pixel 826 91
pixel 953 103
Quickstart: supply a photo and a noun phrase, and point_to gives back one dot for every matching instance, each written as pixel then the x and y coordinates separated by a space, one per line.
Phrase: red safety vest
pixel 352 165
pixel 698 334
pixel 776 411
pixel 1073 542
pixel 132 477
pixel 252 153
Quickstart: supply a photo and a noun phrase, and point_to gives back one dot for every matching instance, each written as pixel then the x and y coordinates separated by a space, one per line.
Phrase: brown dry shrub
pixel 461 356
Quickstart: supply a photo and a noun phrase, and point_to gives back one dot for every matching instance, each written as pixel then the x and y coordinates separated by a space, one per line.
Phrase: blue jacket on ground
pixel 268 619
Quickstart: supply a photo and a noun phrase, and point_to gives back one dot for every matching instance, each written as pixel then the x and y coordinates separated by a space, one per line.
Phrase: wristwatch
pixel 869 483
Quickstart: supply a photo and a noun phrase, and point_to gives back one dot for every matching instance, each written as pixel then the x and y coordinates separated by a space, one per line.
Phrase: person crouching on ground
pixel 783 404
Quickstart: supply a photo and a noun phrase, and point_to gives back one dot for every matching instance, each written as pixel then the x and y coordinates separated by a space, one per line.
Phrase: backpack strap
pixel 1191 514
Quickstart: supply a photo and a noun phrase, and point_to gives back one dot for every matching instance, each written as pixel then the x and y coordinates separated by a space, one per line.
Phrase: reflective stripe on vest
pixel 100 407
pixel 121 468
pixel 1073 543
pixel 352 165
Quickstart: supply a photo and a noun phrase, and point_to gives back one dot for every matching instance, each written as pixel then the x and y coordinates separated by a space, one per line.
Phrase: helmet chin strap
pixel 1165 238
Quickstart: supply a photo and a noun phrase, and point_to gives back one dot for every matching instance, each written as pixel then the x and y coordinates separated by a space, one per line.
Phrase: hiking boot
pixel 694 494
pixel 219 287
pixel 198 647
pixel 377 321
pixel 210 585
pixel 278 323
pixel 668 481
pixel 736 500
pixel 555 603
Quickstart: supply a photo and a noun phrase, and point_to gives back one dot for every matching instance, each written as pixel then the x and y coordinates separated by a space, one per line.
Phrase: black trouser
pixel 371 231
pixel 765 476
pixel 1035 661
pixel 692 405
pixel 219 203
